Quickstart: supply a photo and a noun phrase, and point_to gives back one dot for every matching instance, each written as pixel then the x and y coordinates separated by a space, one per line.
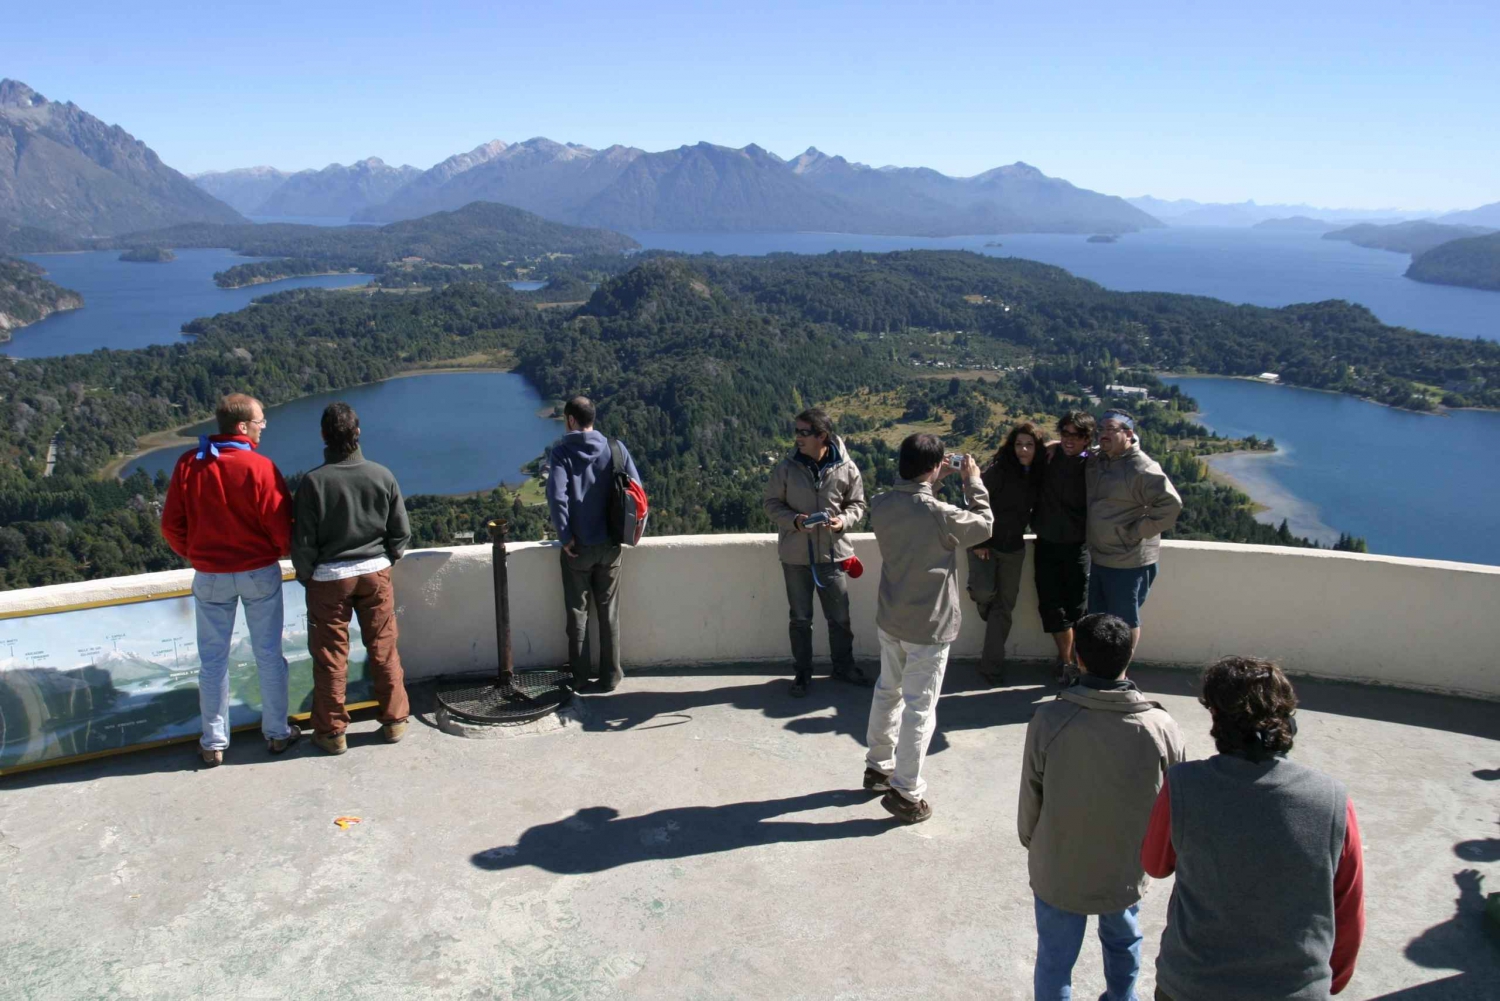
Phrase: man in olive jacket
pixel 1131 503
pixel 917 615
pixel 818 478
pixel 1094 761
pixel 351 526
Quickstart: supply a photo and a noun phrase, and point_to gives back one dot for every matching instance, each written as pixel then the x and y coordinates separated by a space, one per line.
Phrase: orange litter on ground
pixel 344 822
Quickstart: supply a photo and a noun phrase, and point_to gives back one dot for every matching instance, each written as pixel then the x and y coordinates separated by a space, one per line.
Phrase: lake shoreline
pixel 1438 411
pixel 154 441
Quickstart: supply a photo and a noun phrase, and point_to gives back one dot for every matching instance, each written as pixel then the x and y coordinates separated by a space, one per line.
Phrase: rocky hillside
pixel 64 171
pixel 26 296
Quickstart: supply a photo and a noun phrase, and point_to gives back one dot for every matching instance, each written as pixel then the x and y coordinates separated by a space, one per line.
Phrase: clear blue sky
pixel 1360 104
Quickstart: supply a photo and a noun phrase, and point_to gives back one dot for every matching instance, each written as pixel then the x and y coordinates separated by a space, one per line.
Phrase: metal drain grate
pixel 530 695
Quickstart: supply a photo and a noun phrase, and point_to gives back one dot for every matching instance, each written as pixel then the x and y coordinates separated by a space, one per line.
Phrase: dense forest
pixel 1472 262
pixel 26 295
pixel 699 363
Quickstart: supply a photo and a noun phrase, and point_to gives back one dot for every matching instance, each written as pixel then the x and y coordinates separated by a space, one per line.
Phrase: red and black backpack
pixel 628 508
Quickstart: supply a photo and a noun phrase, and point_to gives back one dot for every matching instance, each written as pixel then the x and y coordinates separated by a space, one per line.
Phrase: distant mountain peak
pixel 15 94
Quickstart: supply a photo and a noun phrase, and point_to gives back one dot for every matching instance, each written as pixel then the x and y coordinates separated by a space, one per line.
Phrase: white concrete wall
pixel 700 599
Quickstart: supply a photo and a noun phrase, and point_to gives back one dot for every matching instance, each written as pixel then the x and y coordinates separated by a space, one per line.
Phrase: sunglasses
pixel 1075 434
pixel 804 432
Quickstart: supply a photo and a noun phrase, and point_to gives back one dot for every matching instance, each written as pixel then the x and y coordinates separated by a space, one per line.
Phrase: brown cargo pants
pixel 329 606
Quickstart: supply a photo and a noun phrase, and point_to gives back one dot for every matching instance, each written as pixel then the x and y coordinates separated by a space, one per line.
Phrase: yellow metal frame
pixel 111 752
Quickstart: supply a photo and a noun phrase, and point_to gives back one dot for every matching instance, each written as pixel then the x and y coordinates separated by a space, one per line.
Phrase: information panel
pixel 111 677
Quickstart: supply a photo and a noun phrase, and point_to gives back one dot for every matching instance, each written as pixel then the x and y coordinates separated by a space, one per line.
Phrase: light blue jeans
pixel 1059 937
pixel 215 595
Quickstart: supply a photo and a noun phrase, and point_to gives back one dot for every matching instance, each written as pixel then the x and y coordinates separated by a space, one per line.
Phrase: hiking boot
pixel 211 758
pixel 392 733
pixel 279 744
pixel 993 676
pixel 1066 674
pixel 853 676
pixel 876 781
pixel 904 809
pixel 799 687
pixel 333 743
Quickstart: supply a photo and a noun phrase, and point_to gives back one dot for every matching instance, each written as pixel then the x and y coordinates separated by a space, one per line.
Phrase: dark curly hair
pixel 341 429
pixel 1251 702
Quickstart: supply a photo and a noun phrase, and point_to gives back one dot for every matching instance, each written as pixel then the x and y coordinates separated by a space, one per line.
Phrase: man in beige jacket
pixel 1095 758
pixel 816 496
pixel 918 614
pixel 1131 503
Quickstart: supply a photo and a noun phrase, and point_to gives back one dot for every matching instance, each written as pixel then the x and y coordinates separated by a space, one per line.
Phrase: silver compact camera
pixel 956 460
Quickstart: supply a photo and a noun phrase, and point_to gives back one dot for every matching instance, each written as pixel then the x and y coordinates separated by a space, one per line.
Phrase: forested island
pixel 699 363
pixel 1103 238
pixel 26 296
pixel 148 255
pixel 1473 262
pixel 1415 237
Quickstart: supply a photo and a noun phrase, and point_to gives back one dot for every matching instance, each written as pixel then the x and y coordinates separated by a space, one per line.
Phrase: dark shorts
pixel 1120 592
pixel 1062 583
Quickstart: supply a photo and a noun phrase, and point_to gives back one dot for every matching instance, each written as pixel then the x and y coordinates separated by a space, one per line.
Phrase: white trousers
pixel 910 673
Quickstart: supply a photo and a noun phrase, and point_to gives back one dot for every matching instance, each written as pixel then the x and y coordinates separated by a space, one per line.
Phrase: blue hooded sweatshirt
pixel 578 486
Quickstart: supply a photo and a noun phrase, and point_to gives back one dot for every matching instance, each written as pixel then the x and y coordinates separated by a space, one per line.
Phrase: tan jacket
pixel 918 535
pixel 793 490
pixel 1093 764
pixel 1131 502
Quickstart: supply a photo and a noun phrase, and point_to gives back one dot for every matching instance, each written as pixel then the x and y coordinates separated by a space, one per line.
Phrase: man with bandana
pixel 229 515
pixel 1131 503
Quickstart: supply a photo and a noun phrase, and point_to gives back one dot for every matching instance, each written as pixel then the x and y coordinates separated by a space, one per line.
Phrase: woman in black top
pixel 995 566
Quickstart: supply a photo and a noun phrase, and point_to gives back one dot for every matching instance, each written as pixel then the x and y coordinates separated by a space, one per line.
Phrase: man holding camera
pixel 918 613
pixel 813 496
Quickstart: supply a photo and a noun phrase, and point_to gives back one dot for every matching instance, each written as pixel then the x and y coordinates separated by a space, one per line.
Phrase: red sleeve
pixel 1158 857
pixel 174 523
pixel 276 512
pixel 1348 904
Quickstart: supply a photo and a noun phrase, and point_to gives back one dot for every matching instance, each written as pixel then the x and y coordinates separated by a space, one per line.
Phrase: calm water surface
pixel 136 305
pixel 440 434
pixel 1411 484
pixel 1236 265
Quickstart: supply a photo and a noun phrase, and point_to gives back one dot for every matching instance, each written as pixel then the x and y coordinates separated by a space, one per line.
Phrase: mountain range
pixel 1187 212
pixel 66 172
pixel 336 191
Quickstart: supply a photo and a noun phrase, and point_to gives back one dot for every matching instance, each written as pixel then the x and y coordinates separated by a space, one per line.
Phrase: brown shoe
pixel 904 809
pixel 211 759
pixel 393 732
pixel 333 743
pixel 280 744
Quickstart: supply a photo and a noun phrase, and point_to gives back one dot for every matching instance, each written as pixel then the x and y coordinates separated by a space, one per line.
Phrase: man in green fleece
pixel 1094 760
pixel 350 527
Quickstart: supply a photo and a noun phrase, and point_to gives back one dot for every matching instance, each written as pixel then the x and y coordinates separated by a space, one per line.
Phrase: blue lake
pixel 136 305
pixel 1236 265
pixel 1411 484
pixel 440 434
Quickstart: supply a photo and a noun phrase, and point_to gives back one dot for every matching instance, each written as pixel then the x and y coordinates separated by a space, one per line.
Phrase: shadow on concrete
pixel 1449 713
pixel 1460 944
pixel 597 838
pixel 967 704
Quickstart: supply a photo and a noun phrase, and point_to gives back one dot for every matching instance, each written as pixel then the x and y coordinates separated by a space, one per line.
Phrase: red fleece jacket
pixel 228 513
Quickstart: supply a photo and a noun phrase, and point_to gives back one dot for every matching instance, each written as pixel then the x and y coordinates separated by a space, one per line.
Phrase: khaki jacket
pixel 918 536
pixel 793 489
pixel 1131 502
pixel 1093 764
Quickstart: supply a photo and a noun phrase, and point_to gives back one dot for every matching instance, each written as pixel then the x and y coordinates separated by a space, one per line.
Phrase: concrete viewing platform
pixel 697 834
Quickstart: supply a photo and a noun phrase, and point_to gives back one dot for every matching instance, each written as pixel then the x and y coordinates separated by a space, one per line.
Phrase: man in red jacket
pixel 228 514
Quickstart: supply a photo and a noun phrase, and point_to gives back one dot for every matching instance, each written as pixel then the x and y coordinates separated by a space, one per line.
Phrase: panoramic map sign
pixel 121 675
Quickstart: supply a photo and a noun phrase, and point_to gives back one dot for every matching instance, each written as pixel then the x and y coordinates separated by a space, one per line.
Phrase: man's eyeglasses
pixel 804 432
pixel 261 421
pixel 1075 434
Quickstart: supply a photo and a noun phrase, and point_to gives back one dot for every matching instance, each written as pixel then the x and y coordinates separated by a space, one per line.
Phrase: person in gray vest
pixel 819 481
pixel 918 614
pixel 578 485
pixel 1269 899
pixel 1131 503
pixel 1093 763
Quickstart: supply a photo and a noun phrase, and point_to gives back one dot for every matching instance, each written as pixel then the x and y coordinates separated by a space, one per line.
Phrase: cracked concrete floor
pixel 697 835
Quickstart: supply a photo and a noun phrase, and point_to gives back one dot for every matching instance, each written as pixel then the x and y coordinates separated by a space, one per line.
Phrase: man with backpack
pixel 581 480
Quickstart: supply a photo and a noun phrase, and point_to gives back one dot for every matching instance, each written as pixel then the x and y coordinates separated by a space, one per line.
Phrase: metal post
pixel 498 528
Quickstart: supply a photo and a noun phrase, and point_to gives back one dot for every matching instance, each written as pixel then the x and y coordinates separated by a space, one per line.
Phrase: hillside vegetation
pixel 1472 262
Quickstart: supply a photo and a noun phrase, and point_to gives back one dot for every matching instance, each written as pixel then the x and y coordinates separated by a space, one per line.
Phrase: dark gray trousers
pixel 593 573
pixel 995 584
pixel 834 597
